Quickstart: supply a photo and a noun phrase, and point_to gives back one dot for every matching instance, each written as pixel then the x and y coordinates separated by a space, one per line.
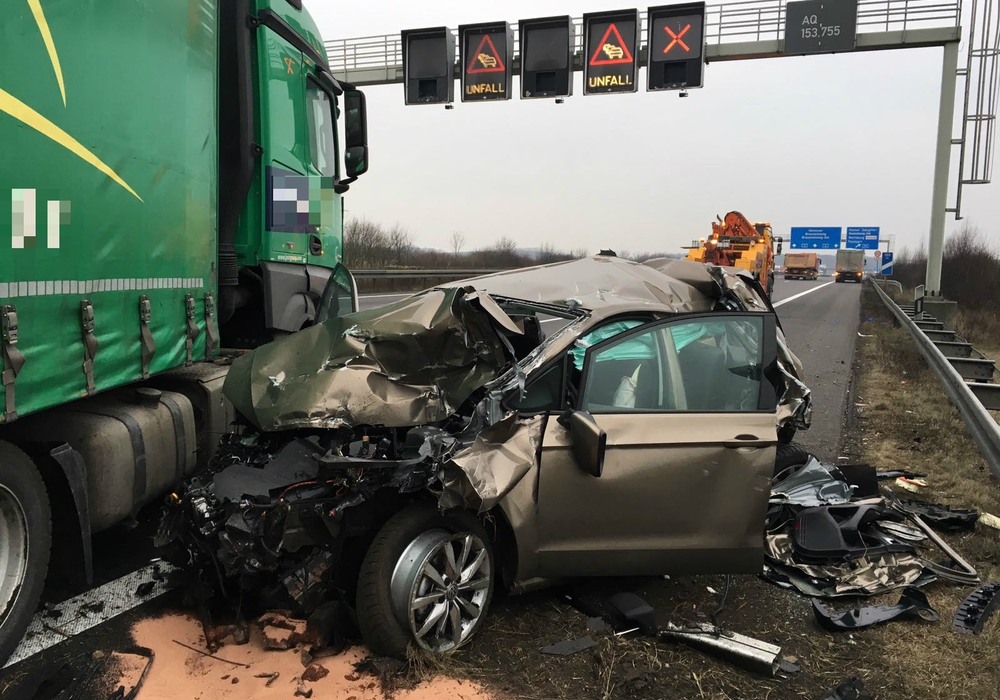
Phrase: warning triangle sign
pixel 486 58
pixel 611 50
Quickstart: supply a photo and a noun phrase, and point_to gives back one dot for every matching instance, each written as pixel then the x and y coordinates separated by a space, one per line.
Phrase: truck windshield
pixel 322 144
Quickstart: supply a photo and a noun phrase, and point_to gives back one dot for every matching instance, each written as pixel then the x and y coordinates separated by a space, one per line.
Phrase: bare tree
pixel 457 241
pixel 401 243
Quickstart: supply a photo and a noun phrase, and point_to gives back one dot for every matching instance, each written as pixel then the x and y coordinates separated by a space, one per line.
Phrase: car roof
pixel 606 282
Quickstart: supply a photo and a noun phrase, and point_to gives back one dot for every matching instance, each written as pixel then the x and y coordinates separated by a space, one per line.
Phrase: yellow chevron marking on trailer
pixel 25 114
pixel 50 45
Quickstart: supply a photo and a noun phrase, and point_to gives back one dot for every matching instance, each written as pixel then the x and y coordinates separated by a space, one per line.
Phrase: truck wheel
pixel 25 541
pixel 427 579
pixel 788 458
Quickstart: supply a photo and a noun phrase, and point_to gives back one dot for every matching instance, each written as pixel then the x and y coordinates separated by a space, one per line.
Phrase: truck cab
pixel 174 174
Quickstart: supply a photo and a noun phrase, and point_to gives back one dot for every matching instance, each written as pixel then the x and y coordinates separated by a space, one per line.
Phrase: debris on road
pixel 942 517
pixel 851 689
pixel 830 532
pixel 914 485
pixel 569 646
pixel 144 589
pixel 912 605
pixel 974 610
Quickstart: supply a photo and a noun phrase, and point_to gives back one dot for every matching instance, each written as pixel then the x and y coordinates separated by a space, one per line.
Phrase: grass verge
pixel 906 421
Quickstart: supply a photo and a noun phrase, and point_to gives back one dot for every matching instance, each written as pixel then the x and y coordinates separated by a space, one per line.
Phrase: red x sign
pixel 677 38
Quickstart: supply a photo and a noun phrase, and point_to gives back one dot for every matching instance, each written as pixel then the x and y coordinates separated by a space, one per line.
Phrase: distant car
pixel 588 418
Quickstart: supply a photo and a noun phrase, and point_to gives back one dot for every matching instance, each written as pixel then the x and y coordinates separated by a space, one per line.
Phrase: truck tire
pixel 394 576
pixel 25 542
pixel 789 457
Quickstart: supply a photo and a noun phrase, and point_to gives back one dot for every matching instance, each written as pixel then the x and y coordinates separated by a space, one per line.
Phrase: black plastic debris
pixel 942 517
pixel 851 689
pixel 836 532
pixel 862 477
pixel 974 610
pixel 569 646
pixel 893 474
pixel 636 610
pixel 144 589
pixel 912 605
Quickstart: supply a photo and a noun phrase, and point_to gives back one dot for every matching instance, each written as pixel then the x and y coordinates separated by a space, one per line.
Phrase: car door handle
pixel 745 441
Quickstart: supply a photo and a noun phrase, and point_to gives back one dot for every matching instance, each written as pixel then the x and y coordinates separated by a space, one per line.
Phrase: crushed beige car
pixel 587 418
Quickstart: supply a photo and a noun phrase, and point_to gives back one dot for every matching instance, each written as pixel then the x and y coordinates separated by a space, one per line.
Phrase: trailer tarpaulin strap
pixel 192 326
pixel 90 344
pixel 145 335
pixel 211 332
pixel 13 359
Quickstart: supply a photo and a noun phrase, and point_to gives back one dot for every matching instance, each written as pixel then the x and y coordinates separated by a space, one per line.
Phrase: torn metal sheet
pixel 812 485
pixel 861 576
pixel 912 605
pixel 480 475
pixel 602 281
pixel 414 361
pixel 739 649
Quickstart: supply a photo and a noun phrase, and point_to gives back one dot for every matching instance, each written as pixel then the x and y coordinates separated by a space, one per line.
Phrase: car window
pixel 697 365
pixel 322 143
pixel 597 335
pixel 543 393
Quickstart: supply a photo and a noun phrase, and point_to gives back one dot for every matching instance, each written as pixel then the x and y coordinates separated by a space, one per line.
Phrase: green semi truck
pixel 173 174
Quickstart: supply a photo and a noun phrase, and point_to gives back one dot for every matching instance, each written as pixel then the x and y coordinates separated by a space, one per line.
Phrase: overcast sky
pixel 832 140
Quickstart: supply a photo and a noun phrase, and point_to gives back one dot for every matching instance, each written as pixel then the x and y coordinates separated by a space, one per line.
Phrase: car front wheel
pixel 427 580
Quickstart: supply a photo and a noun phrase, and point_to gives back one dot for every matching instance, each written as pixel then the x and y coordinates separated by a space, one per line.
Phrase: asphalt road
pixel 820 320
pixel 821 327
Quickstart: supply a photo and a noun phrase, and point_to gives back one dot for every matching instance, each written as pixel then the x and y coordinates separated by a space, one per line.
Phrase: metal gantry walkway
pixel 734 31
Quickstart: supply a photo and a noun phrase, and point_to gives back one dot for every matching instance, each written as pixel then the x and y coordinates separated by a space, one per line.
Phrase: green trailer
pixel 173 174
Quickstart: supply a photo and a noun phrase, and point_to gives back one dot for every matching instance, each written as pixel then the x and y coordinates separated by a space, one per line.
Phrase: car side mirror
pixel 590 442
pixel 356 132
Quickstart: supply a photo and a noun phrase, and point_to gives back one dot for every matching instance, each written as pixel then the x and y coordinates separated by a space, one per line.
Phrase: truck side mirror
pixel 590 442
pixel 356 130
pixel 780 241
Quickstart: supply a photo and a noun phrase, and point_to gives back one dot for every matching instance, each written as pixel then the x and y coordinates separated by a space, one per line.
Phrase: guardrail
pixel 984 429
pixel 425 274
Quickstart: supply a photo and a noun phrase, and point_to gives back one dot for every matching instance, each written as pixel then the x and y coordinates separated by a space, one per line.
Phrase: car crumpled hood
pixel 408 363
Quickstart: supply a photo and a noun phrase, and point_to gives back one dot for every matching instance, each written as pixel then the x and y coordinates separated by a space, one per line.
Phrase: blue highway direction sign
pixel 816 237
pixel 862 237
pixel 886 266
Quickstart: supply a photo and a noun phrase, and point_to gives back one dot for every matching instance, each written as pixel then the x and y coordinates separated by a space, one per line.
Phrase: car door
pixel 688 405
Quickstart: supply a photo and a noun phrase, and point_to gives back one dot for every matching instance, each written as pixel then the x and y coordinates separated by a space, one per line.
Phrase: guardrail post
pixel 942 163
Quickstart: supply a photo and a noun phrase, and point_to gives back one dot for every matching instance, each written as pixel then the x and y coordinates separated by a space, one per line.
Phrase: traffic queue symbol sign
pixel 677 39
pixel 486 58
pixel 611 50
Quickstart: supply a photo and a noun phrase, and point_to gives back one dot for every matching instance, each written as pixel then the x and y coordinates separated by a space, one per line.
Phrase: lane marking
pixel 776 304
pixel 385 296
pixel 76 615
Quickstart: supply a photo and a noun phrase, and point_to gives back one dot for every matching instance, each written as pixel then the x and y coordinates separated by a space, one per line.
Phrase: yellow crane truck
pixel 735 242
